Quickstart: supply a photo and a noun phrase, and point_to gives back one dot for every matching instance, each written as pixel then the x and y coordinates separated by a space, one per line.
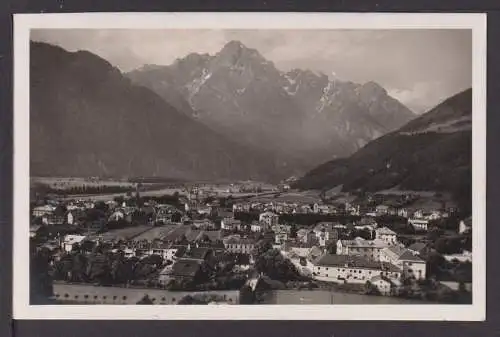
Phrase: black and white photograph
pixel 232 164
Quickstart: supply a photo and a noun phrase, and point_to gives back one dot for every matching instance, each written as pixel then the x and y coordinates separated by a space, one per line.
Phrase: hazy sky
pixel 418 67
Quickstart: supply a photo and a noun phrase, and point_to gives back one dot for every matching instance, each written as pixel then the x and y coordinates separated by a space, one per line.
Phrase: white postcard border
pixel 23 23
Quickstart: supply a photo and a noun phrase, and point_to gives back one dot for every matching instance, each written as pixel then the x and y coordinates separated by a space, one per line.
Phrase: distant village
pixel 199 246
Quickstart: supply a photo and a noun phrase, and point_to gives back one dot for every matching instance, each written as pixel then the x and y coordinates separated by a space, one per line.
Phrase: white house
pixel 325 233
pixel 203 224
pixel 299 249
pixel 419 224
pixel 282 228
pixel 127 252
pixel 74 206
pixel 73 215
pixel 117 215
pixel 465 225
pixel 403 212
pixel 70 240
pixel 382 209
pixel 172 252
pixel 386 286
pixel 257 227
pixel 269 219
pixel 280 237
pixel 304 209
pixel 43 210
pixel 52 219
pixel 386 235
pixel 368 248
pixel 324 209
pixel 204 210
pixel 34 230
pixel 230 224
pixel 433 215
pixel 409 263
pixel 242 207
pixel 352 269
pixel 418 214
pixel 306 235
pixel 89 204
pixel 239 245
pixel 111 204
pixel 466 256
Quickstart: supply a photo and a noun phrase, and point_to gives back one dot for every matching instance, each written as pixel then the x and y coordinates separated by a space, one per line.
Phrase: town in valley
pixel 131 242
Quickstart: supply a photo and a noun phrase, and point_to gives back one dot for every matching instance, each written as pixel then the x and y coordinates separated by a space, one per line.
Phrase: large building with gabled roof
pixel 410 263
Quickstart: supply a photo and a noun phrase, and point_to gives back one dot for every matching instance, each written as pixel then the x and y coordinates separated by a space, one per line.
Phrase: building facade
pixel 352 269
pixel 361 247
pixel 386 235
pixel 409 263
pixel 270 219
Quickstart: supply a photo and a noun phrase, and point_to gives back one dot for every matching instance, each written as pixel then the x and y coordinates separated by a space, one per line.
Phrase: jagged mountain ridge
pixel 299 114
pixel 87 118
pixel 431 152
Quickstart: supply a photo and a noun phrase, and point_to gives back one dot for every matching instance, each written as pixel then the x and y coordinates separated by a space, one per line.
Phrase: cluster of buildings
pixel 382 261
pixel 318 251
pixel 285 208
pixel 419 218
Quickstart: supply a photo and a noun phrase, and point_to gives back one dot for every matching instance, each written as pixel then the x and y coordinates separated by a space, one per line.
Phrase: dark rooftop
pixel 196 253
pixel 417 246
pixel 408 256
pixel 332 260
pixel 185 268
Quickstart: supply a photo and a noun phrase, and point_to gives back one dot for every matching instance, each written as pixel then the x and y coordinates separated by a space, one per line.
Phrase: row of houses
pixel 185 259
pixel 382 260
pixel 385 273
pixel 285 208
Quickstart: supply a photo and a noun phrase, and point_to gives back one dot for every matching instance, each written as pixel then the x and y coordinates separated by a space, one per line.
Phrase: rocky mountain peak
pixel 235 52
pixel 373 88
pixel 298 113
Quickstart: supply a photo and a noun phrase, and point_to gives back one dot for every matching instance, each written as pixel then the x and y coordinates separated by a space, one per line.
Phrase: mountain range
pixel 431 152
pixel 87 119
pixel 300 115
pixel 232 115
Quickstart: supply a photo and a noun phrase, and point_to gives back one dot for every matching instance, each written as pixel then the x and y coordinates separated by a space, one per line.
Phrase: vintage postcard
pixel 250 166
